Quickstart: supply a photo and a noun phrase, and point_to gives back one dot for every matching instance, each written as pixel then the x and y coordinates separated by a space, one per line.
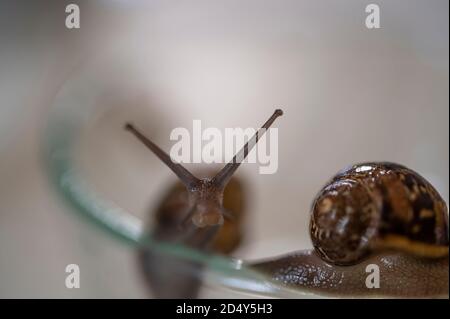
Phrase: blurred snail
pixel 372 213
pixel 202 213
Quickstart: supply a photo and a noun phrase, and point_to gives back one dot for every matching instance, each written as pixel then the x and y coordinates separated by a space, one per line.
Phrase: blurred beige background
pixel 349 94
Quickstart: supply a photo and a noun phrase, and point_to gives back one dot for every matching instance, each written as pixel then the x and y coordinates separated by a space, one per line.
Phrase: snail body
pixel 201 213
pixel 171 212
pixel 402 275
pixel 171 276
pixel 372 213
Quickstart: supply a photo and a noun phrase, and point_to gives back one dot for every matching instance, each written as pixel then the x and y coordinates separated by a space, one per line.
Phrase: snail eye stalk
pixel 224 176
pixel 183 174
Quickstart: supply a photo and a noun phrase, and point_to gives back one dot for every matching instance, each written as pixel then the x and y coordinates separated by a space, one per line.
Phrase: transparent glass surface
pixel 77 150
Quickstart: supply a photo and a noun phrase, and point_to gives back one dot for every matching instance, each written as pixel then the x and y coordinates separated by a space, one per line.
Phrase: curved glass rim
pixel 59 139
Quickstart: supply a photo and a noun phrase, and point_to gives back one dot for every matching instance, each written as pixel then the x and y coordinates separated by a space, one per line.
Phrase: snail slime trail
pixel 200 213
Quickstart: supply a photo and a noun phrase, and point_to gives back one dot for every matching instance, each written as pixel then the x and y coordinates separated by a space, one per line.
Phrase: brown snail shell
pixel 381 214
pixel 371 206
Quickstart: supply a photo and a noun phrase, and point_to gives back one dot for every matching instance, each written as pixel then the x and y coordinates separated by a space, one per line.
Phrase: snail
pixel 201 213
pixel 381 214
